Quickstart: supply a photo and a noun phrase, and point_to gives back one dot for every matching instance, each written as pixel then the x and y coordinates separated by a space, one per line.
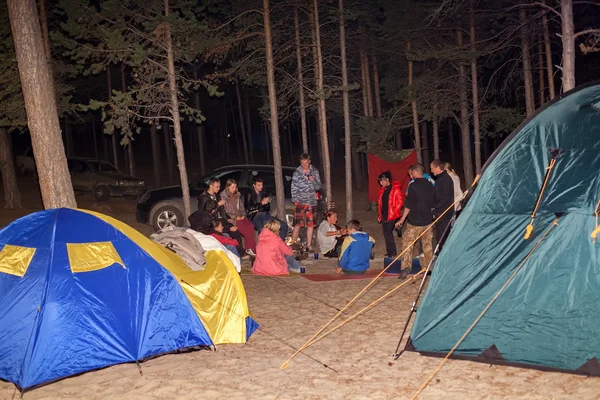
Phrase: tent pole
pixel 413 307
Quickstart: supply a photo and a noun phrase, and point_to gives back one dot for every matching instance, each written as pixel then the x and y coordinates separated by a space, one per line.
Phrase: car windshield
pixel 102 166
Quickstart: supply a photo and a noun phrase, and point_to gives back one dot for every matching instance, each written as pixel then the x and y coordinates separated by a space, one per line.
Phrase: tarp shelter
pixel 80 291
pixel 548 317
pixel 397 163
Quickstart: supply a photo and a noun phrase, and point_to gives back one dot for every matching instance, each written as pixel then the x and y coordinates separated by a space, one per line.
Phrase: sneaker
pixel 296 270
pixel 404 273
pixel 251 252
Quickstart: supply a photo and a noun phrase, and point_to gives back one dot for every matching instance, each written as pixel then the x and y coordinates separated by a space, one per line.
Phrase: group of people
pixel 411 212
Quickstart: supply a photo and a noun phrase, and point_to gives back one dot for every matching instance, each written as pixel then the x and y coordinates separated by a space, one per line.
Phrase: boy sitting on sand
pixel 356 250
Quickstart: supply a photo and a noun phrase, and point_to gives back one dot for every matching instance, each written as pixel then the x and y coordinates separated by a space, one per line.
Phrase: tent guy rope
pixel 315 336
pixel 510 278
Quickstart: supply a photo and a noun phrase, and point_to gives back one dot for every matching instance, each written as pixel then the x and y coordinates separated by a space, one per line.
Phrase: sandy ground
pixel 290 311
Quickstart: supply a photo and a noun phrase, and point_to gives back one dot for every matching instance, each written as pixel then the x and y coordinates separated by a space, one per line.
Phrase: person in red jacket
pixel 391 201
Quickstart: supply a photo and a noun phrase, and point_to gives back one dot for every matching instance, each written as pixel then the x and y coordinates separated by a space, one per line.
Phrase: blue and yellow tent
pixel 81 291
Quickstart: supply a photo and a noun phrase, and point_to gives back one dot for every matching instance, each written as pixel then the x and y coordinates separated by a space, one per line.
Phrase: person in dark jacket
pixel 212 193
pixel 444 197
pixel 208 211
pixel 258 207
pixel 391 201
pixel 418 216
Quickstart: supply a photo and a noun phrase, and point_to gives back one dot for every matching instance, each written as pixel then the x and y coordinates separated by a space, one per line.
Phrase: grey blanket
pixel 183 244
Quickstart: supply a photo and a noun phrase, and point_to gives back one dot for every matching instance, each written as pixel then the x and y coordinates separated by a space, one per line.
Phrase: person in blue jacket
pixel 356 250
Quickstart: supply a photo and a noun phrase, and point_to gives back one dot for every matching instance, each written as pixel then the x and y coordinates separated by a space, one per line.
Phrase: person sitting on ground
pixel 273 256
pixel 234 207
pixel 330 236
pixel 223 238
pixel 258 207
pixel 202 221
pixel 356 250
pixel 212 193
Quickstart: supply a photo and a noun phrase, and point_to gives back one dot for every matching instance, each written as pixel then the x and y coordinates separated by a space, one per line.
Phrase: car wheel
pixel 102 193
pixel 167 216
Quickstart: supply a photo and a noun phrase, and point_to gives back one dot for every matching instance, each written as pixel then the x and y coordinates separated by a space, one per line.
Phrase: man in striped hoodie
pixel 305 183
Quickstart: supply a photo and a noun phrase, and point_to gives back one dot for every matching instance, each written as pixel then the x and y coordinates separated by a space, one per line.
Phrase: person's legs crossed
pixel 259 221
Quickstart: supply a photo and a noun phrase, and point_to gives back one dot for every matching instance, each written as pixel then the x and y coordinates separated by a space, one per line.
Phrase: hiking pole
pixel 413 307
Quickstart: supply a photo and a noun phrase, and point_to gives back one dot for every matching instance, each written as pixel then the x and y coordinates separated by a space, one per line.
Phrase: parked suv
pixel 164 206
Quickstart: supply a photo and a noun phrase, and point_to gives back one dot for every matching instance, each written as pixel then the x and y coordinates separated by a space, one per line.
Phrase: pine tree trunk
pixel 451 140
pixel 242 124
pixel 156 161
pixel 425 143
pixel 368 87
pixel 176 120
pixel 300 83
pixel 548 50
pixel 130 158
pixel 363 84
pixel 326 171
pixel 94 139
pixel 475 91
pixel 12 195
pixel 40 105
pixel 378 110
pixel 169 150
pixel 200 130
pixel 319 130
pixel 527 76
pixel 113 136
pixel 568 44
pixel 248 125
pixel 236 135
pixel 464 117
pixel 415 114
pixel 347 126
pixel 540 68
pixel 46 37
pixel 279 189
pixel 436 137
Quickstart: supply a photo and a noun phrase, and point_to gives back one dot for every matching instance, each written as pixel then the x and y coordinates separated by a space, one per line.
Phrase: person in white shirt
pixel 458 193
pixel 329 236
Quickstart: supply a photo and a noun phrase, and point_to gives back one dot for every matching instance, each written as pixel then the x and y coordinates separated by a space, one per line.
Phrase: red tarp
pixel 399 172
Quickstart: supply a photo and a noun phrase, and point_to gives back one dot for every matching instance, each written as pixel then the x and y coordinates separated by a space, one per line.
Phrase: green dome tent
pixel 546 175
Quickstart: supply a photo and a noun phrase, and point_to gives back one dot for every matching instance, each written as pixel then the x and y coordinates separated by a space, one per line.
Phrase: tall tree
pixel 300 82
pixel 242 122
pixel 279 190
pixel 40 104
pixel 321 104
pixel 113 136
pixel 185 188
pixel 346 101
pixel 378 109
pixel 464 116
pixel 548 51
pixel 413 104
pixel 475 89
pixel 129 144
pixel 526 54
pixel 12 195
pixel 568 44
pixel 200 130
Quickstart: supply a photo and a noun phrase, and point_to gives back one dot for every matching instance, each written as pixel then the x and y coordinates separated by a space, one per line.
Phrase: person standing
pixel 390 205
pixel 458 193
pixel 305 183
pixel 258 207
pixel 418 216
pixel 443 199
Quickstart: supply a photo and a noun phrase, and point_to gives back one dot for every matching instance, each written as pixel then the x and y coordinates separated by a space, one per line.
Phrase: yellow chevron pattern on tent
pixel 86 257
pixel 14 260
pixel 219 282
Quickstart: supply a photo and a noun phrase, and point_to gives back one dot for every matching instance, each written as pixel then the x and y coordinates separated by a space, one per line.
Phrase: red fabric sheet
pixel 399 172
